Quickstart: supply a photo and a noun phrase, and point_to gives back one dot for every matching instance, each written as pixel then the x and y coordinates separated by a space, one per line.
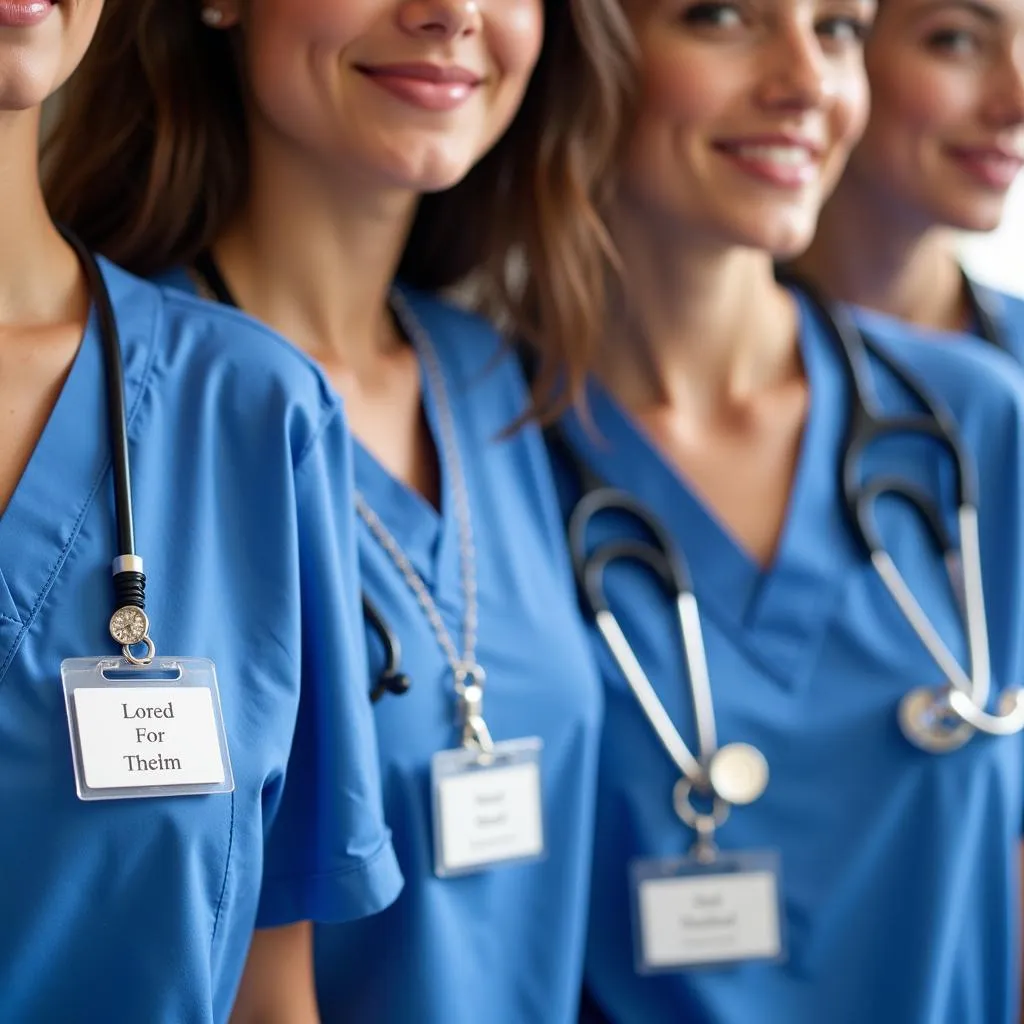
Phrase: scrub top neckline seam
pixel 140 386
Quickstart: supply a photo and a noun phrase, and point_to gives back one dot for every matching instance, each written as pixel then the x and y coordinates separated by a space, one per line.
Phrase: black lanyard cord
pixel 129 578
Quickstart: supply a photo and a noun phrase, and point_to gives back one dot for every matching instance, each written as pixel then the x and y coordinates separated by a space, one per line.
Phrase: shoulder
pixel 202 350
pixel 982 385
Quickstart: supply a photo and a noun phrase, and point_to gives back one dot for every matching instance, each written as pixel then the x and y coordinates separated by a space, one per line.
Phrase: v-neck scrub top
pixel 1006 310
pixel 504 945
pixel 898 867
pixel 142 910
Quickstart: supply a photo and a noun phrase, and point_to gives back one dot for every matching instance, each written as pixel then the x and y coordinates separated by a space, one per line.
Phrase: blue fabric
pixel 143 910
pixel 899 868
pixel 1008 312
pixel 504 945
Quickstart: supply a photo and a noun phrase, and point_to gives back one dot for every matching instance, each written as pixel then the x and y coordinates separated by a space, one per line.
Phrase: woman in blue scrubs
pixel 355 111
pixel 179 884
pixel 944 145
pixel 857 876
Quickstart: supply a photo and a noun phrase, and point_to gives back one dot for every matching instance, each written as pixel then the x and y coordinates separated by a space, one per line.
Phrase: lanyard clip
pixel 469 685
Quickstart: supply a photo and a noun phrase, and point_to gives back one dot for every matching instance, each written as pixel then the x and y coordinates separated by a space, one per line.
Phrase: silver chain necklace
pixel 467 674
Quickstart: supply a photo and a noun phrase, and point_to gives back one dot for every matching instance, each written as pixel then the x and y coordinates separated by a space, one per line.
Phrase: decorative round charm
pixel 129 625
pixel 738 773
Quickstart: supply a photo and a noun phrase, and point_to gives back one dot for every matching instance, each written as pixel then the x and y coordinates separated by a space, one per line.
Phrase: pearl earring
pixel 212 16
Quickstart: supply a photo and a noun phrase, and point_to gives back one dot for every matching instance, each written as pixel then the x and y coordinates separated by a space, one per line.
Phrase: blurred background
pixel 998 258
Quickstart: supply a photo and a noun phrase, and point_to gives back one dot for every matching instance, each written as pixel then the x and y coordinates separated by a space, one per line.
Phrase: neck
pixel 314 256
pixel 870 255
pixel 707 326
pixel 40 280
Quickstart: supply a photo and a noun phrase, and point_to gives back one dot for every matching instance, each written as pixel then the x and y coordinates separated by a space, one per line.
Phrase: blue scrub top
pixel 1008 313
pixel 142 910
pixel 506 945
pixel 899 867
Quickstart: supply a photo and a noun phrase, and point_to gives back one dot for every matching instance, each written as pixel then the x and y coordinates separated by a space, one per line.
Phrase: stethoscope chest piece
pixel 738 773
pixel 930 724
pixel 939 721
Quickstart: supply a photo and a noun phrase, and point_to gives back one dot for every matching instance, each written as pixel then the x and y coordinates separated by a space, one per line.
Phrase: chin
pixel 430 169
pixel 979 218
pixel 782 240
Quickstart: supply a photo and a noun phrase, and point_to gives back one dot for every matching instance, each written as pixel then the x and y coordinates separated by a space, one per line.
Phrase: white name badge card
pixel 688 914
pixel 146 732
pixel 488 808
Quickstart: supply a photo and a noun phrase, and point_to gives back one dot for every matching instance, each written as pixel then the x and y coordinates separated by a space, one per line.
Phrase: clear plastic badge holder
pixel 487 807
pixel 690 914
pixel 146 732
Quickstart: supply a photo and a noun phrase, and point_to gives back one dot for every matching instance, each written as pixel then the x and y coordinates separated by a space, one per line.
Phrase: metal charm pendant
pixel 129 626
pixel 738 773
pixel 929 726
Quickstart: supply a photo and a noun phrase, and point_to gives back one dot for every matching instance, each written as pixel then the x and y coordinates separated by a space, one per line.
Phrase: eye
pixel 712 15
pixel 954 41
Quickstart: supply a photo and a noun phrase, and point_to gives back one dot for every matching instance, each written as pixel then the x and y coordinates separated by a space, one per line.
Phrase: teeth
pixel 792 156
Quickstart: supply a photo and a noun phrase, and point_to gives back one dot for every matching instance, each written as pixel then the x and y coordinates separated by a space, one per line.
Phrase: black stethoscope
pixel 129 624
pixel 935 719
pixel 390 679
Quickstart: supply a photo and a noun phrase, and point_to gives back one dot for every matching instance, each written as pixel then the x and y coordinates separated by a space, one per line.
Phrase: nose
pixel 796 74
pixel 440 19
pixel 1005 108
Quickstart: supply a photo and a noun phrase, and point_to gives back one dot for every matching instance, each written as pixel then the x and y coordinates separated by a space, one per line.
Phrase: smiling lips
pixel 24 13
pixel 432 87
pixel 993 167
pixel 784 161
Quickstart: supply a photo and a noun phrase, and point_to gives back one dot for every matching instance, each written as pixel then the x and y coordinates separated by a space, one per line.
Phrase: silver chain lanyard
pixel 467 674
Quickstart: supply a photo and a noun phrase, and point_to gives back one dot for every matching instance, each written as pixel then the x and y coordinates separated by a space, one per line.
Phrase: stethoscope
pixel 944 718
pixel 724 776
pixel 390 679
pixel 129 625
pixel 935 719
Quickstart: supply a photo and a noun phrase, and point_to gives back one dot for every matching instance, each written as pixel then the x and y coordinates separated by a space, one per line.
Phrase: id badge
pixel 145 732
pixel 688 914
pixel 488 808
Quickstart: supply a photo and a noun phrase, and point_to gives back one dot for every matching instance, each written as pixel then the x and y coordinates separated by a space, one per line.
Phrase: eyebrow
pixel 976 7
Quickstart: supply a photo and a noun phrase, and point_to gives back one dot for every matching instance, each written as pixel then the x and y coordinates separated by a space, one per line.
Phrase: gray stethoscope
pixel 935 719
pixel 732 775
pixel 944 718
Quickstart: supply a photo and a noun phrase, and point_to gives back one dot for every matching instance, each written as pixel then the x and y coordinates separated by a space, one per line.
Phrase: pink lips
pixel 24 13
pixel 783 160
pixel 993 167
pixel 433 87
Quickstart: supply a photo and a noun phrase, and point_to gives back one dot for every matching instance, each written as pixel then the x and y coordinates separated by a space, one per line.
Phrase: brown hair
pixel 525 224
pixel 149 162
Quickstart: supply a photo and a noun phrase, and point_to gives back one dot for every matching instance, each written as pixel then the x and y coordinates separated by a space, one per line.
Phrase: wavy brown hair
pixel 148 163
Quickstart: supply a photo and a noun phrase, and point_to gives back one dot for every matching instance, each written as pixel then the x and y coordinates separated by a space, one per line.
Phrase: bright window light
pixel 998 259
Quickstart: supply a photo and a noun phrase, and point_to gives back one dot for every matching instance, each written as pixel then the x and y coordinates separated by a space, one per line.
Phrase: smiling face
pixel 748 113
pixel 946 137
pixel 41 44
pixel 410 93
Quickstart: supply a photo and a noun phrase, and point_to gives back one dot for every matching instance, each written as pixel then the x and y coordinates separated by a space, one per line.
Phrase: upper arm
pixel 277 985
pixel 328 851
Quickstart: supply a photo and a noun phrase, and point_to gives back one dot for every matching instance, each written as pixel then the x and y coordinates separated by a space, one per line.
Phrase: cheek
pixel 912 99
pixel 677 93
pixel 320 22
pixel 852 108
pixel 515 31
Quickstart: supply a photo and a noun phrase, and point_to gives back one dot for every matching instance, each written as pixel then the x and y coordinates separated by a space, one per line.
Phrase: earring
pixel 212 16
